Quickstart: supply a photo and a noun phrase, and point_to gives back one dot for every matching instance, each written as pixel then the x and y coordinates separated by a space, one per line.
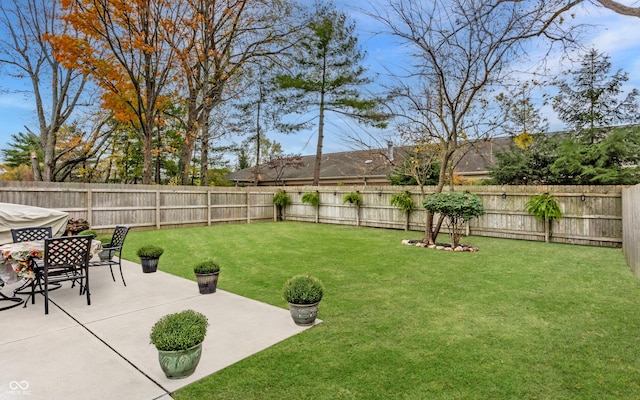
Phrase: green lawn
pixel 517 320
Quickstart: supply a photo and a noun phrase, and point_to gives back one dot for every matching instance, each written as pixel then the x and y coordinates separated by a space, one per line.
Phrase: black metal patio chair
pixel 111 249
pixel 31 234
pixel 66 258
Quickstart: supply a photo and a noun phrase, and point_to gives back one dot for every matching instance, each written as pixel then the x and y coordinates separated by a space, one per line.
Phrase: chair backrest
pixel 67 253
pixel 119 233
pixel 30 234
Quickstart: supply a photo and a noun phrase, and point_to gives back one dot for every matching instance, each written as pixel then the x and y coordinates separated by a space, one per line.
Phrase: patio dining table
pixel 15 262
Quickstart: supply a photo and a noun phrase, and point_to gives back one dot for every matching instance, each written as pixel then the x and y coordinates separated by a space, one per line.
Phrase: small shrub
pixel 312 198
pixel 353 198
pixel 150 251
pixel 206 267
pixel 179 331
pixel 86 232
pixel 303 289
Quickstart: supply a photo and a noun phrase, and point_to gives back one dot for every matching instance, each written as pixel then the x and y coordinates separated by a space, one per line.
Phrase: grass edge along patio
pixel 518 319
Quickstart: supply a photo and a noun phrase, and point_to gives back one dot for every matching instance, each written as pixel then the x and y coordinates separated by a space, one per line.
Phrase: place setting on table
pixel 17 262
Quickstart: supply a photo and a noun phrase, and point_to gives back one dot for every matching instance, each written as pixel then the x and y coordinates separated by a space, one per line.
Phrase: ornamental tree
pixel 457 208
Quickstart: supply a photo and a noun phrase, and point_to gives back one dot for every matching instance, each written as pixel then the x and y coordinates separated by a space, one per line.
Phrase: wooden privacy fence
pixel 592 214
pixel 631 227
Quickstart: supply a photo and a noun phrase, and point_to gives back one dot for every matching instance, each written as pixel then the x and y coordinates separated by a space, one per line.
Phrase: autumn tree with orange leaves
pixel 121 44
pixel 56 89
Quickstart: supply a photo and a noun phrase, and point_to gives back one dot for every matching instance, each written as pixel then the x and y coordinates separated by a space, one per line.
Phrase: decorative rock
pixel 432 246
pixel 459 248
pixel 421 244
pixel 448 249
pixel 406 241
pixel 439 247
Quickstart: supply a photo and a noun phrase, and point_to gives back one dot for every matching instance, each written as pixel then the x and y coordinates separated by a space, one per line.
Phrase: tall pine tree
pixel 327 75
pixel 591 103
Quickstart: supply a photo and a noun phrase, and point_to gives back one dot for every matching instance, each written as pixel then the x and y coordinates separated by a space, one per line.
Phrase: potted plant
pixel 313 199
pixel 303 293
pixel 546 208
pixel 355 199
pixel 207 276
pixel 178 338
pixel 149 256
pixel 281 199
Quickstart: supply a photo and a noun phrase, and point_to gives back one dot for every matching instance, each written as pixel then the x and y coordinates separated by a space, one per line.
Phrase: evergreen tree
pixel 18 152
pixel 591 102
pixel 327 75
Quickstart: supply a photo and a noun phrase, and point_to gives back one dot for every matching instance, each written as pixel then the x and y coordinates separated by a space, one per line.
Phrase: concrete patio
pixel 102 351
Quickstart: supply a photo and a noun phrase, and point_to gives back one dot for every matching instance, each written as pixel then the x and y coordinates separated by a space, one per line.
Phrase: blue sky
pixel 616 35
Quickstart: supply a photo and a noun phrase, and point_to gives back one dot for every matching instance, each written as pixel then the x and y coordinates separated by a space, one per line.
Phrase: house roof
pixel 371 166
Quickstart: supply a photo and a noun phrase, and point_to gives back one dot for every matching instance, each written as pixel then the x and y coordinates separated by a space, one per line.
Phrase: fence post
pixel 157 208
pixel 248 202
pixel 89 208
pixel 209 207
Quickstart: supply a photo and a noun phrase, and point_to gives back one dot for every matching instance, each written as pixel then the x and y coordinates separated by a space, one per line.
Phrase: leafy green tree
pixel 327 75
pixel 612 161
pixel 530 166
pixel 18 151
pixel 457 208
pixel 592 101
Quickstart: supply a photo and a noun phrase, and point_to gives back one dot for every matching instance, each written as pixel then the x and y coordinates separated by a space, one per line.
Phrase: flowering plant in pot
pixel 303 293
pixel 207 276
pixel 178 338
pixel 149 257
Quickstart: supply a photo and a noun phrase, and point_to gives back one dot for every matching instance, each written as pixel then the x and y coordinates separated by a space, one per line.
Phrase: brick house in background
pixel 367 167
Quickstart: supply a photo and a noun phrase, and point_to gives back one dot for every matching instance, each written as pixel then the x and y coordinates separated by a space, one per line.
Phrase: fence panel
pixel 631 227
pixel 592 214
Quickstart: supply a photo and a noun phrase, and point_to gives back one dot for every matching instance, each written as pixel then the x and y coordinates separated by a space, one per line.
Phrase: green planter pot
pixel 304 314
pixel 180 364
pixel 207 283
pixel 149 264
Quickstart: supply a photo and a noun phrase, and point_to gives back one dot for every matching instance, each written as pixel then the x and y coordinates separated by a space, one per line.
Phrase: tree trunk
pixel 204 156
pixel 316 166
pixel 35 165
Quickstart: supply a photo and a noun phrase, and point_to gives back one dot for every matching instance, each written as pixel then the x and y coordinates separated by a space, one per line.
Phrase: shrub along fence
pixel 592 214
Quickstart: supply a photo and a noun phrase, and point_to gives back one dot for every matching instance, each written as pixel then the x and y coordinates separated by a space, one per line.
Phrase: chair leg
pixel 112 276
pixel 46 297
pixel 121 275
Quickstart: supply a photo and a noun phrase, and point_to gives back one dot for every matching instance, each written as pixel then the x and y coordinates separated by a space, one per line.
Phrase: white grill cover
pixel 21 216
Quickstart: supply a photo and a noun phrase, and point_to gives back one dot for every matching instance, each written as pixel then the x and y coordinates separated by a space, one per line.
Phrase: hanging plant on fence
pixel 281 199
pixel 313 198
pixel 404 201
pixel 355 199
pixel 546 208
